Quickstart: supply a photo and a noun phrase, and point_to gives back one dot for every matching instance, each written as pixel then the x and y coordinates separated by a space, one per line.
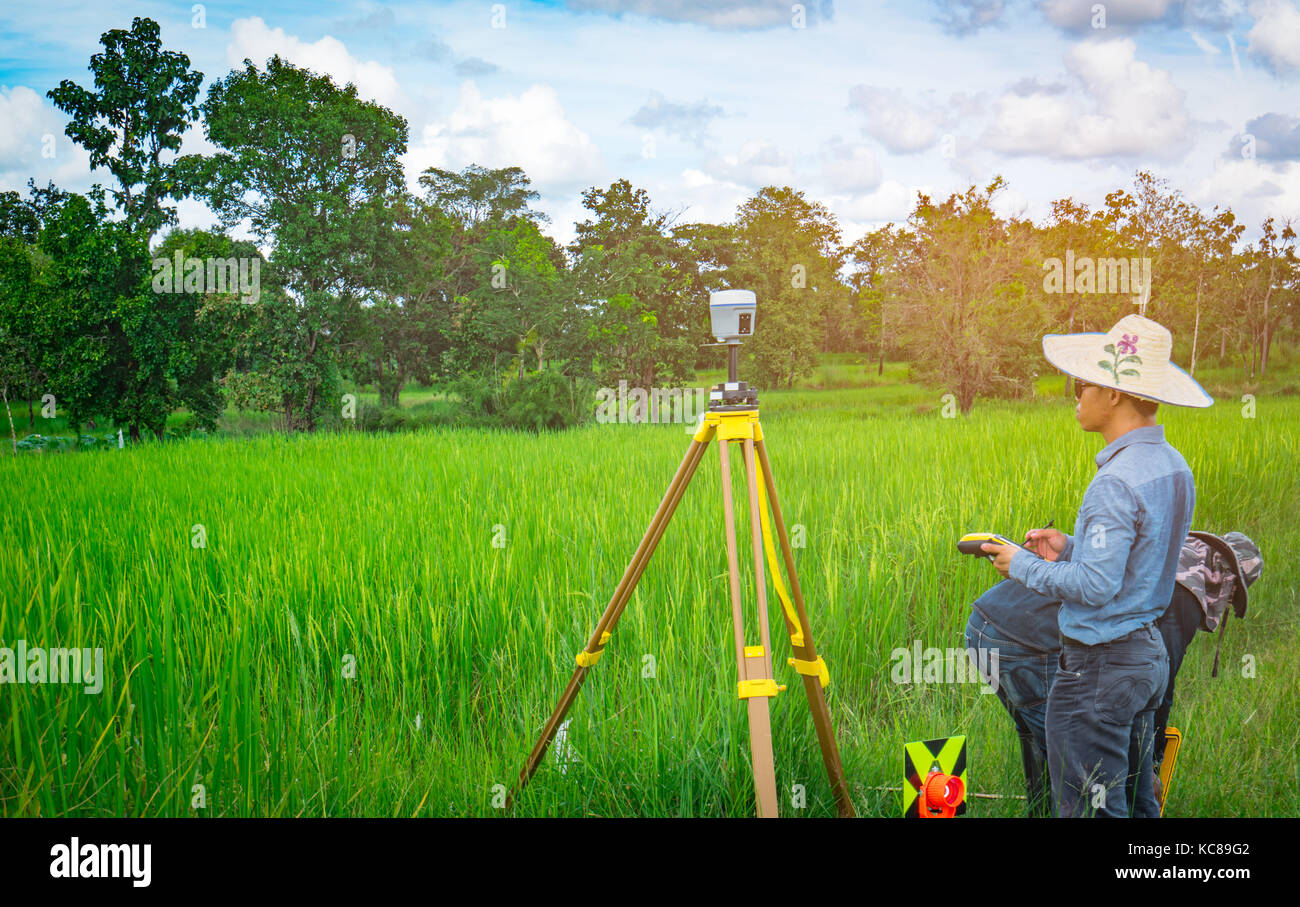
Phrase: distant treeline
pixel 115 314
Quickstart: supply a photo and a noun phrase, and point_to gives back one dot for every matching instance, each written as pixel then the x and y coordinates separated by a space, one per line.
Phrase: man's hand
pixel 1001 556
pixel 1046 543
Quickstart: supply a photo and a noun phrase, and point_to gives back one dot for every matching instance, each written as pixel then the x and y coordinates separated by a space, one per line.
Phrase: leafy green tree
pixel 1270 276
pixel 21 347
pixel 316 173
pixel 519 310
pixel 638 284
pixel 789 254
pixel 404 324
pixel 197 318
pixel 1209 262
pixel 142 104
pixel 875 258
pixel 477 195
pixel 965 314
pixel 104 350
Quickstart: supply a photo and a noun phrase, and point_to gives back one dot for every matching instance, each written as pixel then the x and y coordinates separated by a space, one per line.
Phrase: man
pixel 1021 626
pixel 1115 575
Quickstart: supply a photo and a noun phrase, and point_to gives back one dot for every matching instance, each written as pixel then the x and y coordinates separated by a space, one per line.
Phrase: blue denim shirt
pixel 1117 571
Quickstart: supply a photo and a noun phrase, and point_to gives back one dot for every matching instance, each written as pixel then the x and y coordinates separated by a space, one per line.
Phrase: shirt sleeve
pixel 1068 550
pixel 1094 573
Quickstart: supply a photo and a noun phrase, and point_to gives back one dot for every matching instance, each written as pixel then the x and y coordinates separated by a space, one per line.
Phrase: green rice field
pixel 379 625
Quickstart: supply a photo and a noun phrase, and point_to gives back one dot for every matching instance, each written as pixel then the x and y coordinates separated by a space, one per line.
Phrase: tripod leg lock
pixel 586 659
pixel 747 689
pixel 812 668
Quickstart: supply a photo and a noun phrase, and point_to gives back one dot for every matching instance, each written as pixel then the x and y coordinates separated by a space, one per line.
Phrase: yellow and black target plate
pixel 947 755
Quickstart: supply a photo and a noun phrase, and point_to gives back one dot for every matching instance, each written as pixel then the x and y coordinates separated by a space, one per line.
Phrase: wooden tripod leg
pixel 760 668
pixel 760 722
pixel 622 594
pixel 811 684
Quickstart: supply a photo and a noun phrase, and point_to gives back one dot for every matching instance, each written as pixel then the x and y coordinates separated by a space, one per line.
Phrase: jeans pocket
pixel 1026 683
pixel 1125 687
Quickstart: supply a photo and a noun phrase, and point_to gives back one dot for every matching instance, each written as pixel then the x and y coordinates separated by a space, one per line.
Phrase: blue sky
pixel 860 105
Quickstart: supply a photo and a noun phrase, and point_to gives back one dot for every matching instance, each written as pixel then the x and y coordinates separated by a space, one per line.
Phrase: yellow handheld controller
pixel 970 543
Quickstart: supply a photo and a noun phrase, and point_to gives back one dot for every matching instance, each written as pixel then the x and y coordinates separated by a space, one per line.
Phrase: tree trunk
pixel 1223 345
pixel 31 415
pixel 1196 328
pixel 1263 361
pixel 880 369
pixel 135 432
pixel 309 414
pixel 13 435
pixel 1069 379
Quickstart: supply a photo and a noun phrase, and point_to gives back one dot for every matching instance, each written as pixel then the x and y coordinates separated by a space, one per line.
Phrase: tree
pixel 876 258
pixel 1152 222
pixel 636 282
pixel 21 222
pixel 788 253
pixel 963 301
pixel 142 104
pixel 104 349
pixel 403 330
pixel 503 281
pixel 477 195
pixel 1271 268
pixel 197 317
pixel 316 173
pixel 1210 259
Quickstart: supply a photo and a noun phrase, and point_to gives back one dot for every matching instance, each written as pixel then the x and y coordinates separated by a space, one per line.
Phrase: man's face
pixel 1090 410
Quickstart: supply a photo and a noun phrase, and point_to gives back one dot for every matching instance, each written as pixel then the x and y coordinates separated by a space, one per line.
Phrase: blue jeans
pixel 1024 678
pixel 1101 725
pixel 1177 626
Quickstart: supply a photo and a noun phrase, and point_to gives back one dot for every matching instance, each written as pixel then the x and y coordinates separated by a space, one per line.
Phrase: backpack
pixel 1217 572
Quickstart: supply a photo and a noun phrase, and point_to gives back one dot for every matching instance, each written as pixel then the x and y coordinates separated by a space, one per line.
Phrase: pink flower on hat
pixel 1128 344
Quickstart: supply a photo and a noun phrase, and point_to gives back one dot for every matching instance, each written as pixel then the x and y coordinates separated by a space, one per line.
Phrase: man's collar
pixel 1147 434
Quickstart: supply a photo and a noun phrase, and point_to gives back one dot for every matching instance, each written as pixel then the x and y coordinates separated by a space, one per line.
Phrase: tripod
pixel 729 424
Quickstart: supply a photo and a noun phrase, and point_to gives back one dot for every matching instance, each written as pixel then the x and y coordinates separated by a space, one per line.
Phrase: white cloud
pixel 1077 15
pixel 892 201
pixel 710 200
pixel 1275 36
pixel 756 164
pixel 252 39
pixel 1118 106
pixel 898 124
pixel 33 130
pixel 720 14
pixel 529 131
pixel 1253 190
pixel 1205 46
pixel 850 168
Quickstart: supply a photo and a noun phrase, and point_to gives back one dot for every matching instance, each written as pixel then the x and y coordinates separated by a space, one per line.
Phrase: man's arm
pixel 1095 567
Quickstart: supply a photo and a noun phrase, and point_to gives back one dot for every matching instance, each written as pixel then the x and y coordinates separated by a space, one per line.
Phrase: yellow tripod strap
pixel 797 636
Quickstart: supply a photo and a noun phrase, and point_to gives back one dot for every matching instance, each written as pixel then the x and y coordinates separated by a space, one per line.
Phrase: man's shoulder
pixel 1138 464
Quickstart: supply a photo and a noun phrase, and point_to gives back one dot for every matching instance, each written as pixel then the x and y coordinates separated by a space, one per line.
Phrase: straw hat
pixel 1132 357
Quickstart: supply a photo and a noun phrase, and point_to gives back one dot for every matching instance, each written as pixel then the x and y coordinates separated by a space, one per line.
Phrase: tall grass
pixel 228 665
